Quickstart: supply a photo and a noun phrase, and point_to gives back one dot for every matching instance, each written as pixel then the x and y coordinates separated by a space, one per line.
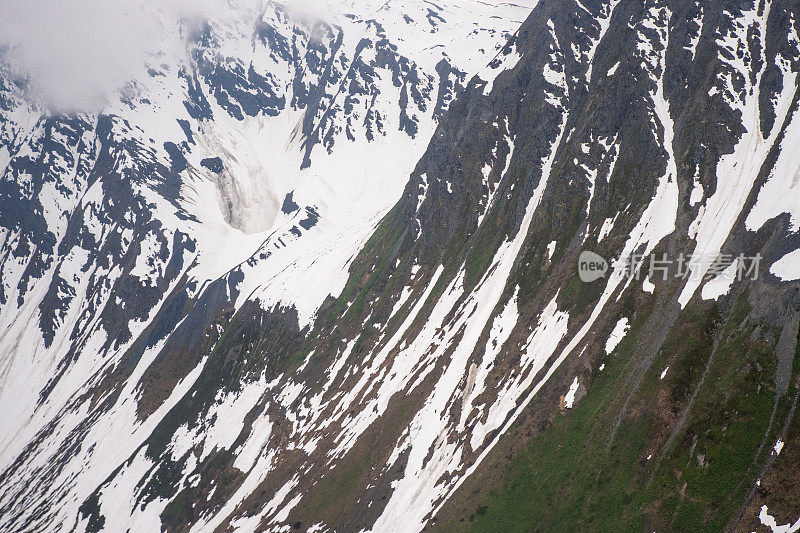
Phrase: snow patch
pixel 551 248
pixel 648 286
pixel 772 524
pixel 569 398
pixel 721 284
pixel 618 333
pixel 778 447
pixel 787 268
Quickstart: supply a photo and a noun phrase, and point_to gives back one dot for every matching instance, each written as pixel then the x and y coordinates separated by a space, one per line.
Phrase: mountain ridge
pixel 465 375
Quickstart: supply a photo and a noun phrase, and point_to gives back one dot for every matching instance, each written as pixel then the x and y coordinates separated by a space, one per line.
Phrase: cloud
pixel 73 51
pixel 76 53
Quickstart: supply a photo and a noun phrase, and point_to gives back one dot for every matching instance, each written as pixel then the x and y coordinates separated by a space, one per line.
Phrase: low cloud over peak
pixel 76 53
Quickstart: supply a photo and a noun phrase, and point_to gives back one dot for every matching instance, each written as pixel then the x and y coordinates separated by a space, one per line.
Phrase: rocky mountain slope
pixel 322 275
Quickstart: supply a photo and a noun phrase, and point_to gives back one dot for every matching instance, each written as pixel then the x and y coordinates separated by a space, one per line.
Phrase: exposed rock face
pixel 254 319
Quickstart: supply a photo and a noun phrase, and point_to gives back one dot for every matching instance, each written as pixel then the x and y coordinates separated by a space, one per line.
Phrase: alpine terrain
pixel 410 265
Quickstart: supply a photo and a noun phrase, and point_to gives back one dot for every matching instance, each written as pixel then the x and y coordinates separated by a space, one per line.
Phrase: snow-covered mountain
pixel 248 168
pixel 319 272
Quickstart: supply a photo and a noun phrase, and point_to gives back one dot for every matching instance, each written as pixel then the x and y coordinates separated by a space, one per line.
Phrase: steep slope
pixel 221 178
pixel 461 373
